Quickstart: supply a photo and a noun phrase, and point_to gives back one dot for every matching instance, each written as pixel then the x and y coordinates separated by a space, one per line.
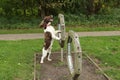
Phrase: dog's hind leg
pixel 44 54
pixel 47 45
pixel 49 53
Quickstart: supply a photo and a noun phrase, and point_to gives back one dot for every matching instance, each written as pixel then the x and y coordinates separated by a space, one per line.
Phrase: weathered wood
pixel 69 56
pixel 77 54
pixel 34 66
pixel 62 52
pixel 61 27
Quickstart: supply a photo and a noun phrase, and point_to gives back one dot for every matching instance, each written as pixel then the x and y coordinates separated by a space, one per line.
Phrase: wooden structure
pixel 61 27
pixel 75 66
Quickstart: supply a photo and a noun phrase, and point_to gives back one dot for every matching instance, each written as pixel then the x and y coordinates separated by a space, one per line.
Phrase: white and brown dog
pixel 49 36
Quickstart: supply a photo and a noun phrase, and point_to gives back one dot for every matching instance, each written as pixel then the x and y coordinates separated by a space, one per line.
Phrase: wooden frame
pixel 61 27
pixel 75 69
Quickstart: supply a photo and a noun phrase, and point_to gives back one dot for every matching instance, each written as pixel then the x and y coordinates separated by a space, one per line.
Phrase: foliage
pixel 112 19
pixel 87 7
pixel 96 20
pixel 19 22
pixel 25 14
pixel 47 7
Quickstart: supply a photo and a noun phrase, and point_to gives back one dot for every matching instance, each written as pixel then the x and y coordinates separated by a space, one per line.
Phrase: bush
pixel 111 19
pixel 18 23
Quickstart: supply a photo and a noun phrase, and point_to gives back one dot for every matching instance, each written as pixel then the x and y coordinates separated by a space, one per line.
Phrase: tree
pixel 87 7
pixel 47 7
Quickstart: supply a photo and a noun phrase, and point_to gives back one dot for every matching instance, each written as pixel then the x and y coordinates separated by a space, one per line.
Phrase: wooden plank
pixel 61 26
pixel 34 66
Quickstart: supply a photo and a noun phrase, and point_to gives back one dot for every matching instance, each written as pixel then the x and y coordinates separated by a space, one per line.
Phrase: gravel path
pixel 40 35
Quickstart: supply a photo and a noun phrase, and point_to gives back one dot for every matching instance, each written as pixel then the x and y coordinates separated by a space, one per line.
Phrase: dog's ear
pixel 45 21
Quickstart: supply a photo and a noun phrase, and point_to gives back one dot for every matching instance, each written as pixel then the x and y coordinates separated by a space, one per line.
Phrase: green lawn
pixel 74 28
pixel 106 51
pixel 16 57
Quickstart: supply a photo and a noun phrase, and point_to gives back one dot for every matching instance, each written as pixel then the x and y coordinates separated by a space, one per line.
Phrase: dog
pixel 49 36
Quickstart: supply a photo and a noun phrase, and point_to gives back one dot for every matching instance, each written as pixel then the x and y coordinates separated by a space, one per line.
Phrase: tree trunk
pixel 42 8
pixel 24 7
pixel 32 5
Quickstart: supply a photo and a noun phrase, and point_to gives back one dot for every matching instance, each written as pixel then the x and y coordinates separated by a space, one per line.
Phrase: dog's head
pixel 46 21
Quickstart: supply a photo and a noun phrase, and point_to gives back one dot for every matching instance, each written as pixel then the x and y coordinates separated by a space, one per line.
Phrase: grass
pixel 106 51
pixel 16 57
pixel 75 28
pixel 20 31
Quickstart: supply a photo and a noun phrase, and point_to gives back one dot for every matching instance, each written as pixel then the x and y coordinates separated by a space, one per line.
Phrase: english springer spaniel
pixel 49 36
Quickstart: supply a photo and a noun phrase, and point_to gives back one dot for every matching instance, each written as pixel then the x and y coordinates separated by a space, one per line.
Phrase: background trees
pixel 46 7
pixel 25 14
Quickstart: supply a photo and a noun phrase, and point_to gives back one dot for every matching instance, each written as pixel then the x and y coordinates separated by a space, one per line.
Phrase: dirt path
pixel 56 70
pixel 38 35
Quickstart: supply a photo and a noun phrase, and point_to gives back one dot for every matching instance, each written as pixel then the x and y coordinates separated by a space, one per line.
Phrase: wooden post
pixel 34 66
pixel 61 26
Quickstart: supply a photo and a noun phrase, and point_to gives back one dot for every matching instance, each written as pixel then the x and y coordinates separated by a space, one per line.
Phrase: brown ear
pixel 45 21
pixel 48 18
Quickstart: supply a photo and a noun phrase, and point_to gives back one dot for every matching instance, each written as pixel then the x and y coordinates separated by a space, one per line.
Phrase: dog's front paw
pixel 41 62
pixel 49 59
